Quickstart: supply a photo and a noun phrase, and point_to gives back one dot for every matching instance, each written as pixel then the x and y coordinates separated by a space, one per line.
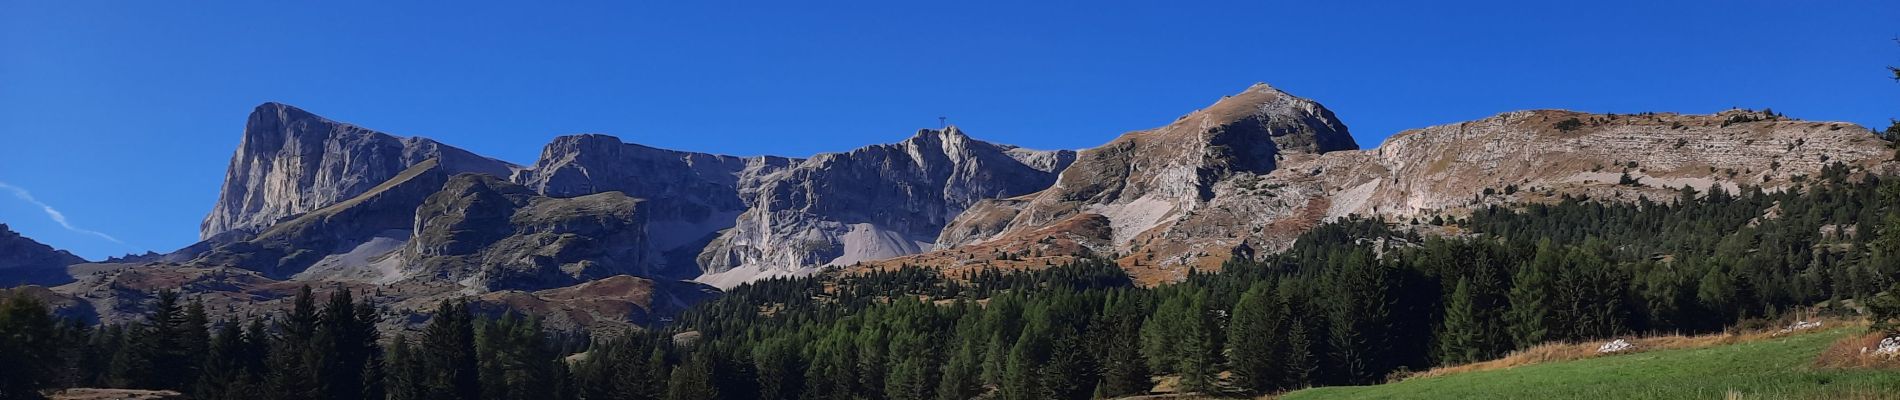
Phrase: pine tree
pixel 194 344
pixel 1302 360
pixel 223 370
pixel 130 365
pixel 1359 317
pixel 1255 339
pixel 163 339
pixel 961 374
pixel 1199 353
pixel 27 347
pixel 1883 312
pixel 1460 340
pixel 1020 380
pixel 447 354
pixel 293 363
pixel 403 380
pixel 344 344
pixel 1064 375
pixel 913 371
pixel 780 369
pixel 1124 371
pixel 1530 296
pixel 692 381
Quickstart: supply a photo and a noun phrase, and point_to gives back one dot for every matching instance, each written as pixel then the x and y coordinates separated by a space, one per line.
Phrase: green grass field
pixel 1769 369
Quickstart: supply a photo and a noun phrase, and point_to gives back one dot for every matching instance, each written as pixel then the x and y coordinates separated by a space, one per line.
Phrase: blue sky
pixel 122 115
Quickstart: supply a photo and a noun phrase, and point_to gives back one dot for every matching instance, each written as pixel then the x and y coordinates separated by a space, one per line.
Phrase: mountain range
pixel 605 234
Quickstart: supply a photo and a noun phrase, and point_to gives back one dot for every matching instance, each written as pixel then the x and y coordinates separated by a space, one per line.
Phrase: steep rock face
pixel 689 196
pixel 872 203
pixel 327 236
pixel 1146 180
pixel 1511 158
pixel 24 261
pixel 291 161
pixel 1535 155
pixel 488 234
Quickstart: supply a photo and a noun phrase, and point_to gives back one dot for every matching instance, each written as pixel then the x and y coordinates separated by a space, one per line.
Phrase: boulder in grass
pixel 1888 347
pixel 1615 346
pixel 1801 326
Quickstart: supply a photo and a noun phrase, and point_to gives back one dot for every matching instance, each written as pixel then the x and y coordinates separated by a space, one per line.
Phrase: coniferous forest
pixel 1352 302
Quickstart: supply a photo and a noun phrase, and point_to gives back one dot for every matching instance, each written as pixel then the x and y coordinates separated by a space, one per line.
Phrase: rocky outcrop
pixel 1200 190
pixel 335 237
pixel 1536 155
pixel 872 203
pixel 24 261
pixel 1147 180
pixel 603 232
pixel 689 196
pixel 486 234
pixel 290 162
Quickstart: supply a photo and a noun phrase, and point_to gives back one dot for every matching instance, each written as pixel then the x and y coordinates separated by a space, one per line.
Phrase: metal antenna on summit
pixel 941 123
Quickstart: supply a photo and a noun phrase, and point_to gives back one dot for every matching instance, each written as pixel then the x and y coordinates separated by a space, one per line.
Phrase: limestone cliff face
pixel 24 261
pixel 688 196
pixel 1146 180
pixel 338 240
pixel 601 230
pixel 1193 200
pixel 1533 155
pixel 872 203
pixel 290 161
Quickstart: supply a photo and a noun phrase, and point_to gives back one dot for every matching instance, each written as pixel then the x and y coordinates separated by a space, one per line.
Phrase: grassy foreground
pixel 1778 368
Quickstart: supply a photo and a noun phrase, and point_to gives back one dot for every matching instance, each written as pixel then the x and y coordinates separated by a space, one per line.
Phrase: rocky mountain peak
pixel 26 261
pixel 870 203
pixel 290 161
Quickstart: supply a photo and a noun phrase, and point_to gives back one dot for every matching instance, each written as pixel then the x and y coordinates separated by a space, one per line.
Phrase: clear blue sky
pixel 123 114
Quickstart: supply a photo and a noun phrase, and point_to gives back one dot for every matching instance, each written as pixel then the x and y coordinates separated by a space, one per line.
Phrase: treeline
pixel 1352 302
pixel 310 352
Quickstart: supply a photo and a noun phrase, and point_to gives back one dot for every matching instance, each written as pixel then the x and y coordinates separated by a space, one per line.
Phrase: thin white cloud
pixel 54 214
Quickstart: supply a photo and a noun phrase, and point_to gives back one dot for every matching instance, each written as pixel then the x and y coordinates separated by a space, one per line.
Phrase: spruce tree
pixel 27 347
pixel 344 344
pixel 194 344
pixel 223 370
pixel 447 354
pixel 1530 296
pixel 1459 341
pixel 692 381
pixel 1359 317
pixel 1302 357
pixel 403 377
pixel 1124 371
pixel 294 357
pixel 163 340
pixel 1256 339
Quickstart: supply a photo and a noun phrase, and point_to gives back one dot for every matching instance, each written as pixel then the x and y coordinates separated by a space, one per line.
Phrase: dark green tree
pixel 28 347
pixel 447 354
pixel 294 358
pixel 1256 339
pixel 1530 312
pixel 692 381
pixel 1460 340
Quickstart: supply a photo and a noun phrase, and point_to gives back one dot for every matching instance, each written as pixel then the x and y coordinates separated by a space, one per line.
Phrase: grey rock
pixel 289 248
pixel 487 234
pixel 872 203
pixel 291 162
pixel 25 261
pixel 689 197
